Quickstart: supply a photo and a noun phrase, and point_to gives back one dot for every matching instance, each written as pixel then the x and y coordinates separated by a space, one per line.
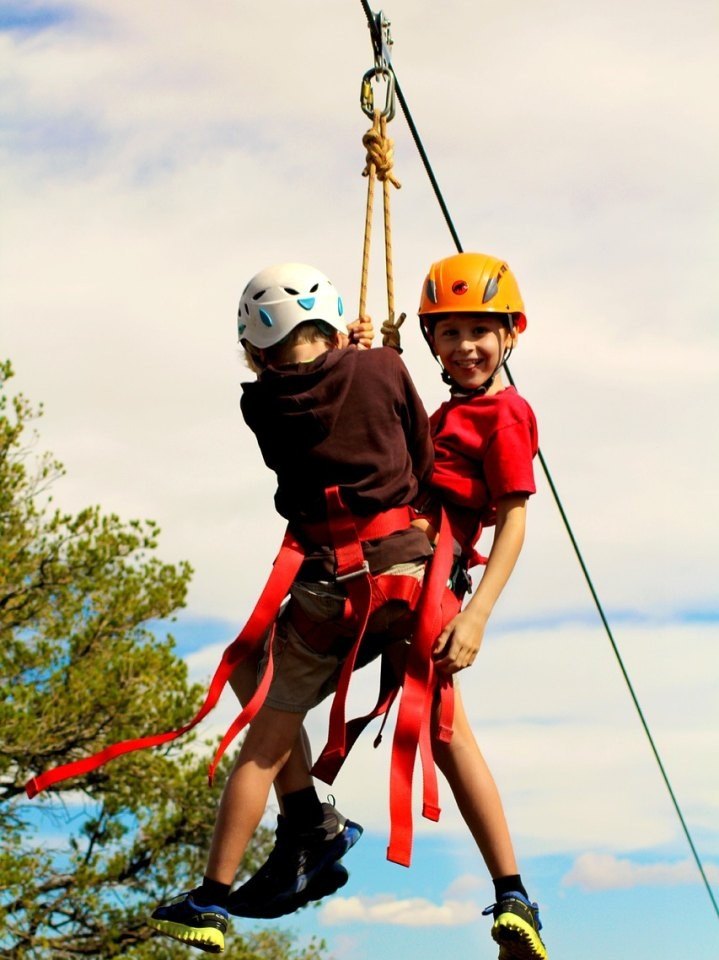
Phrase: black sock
pixel 212 893
pixel 303 808
pixel 504 885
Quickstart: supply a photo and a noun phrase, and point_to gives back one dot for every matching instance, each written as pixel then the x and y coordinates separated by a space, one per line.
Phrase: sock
pixel 212 893
pixel 303 808
pixel 504 885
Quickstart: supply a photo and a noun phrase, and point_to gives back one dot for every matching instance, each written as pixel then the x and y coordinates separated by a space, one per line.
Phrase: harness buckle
pixel 359 572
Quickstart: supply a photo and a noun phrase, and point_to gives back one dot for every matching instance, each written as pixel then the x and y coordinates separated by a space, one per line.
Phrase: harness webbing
pixel 366 593
pixel 284 570
pixel 416 705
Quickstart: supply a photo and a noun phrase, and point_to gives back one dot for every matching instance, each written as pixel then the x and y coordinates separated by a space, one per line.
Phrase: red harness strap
pixel 416 702
pixel 352 570
pixel 285 568
pixel 437 605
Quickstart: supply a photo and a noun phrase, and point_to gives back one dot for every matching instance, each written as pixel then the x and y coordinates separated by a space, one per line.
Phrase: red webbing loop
pixel 360 593
pixel 389 587
pixel 285 568
pixel 353 570
pixel 412 708
pixel 365 593
pixel 328 764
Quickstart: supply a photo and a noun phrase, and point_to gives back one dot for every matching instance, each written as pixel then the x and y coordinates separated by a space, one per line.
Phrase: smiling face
pixel 471 347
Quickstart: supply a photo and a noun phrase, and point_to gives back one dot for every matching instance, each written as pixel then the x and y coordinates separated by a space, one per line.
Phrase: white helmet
pixel 280 298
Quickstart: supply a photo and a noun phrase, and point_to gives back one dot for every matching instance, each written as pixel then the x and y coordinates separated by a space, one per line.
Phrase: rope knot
pixel 380 154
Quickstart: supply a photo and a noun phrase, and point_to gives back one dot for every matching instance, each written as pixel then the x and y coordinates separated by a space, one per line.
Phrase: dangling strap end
pixel 32 788
pixel 431 812
pixel 328 766
pixel 400 854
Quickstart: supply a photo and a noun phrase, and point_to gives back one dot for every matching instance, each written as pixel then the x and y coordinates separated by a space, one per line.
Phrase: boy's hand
pixel 390 333
pixel 458 644
pixel 361 333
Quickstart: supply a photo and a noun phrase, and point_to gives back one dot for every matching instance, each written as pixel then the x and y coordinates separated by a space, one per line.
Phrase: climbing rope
pixel 379 166
pixel 376 23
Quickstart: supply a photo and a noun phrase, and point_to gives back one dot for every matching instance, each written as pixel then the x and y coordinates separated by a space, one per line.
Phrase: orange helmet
pixel 471 283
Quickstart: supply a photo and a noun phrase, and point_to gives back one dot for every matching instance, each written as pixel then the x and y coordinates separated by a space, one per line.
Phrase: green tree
pixel 80 668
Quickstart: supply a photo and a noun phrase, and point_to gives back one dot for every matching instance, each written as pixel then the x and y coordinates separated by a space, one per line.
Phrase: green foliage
pixel 80 668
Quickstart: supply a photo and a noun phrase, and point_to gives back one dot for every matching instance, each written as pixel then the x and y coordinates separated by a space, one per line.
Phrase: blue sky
pixel 154 156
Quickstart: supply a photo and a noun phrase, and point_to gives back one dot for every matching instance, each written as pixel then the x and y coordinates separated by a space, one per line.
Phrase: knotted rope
pixel 379 166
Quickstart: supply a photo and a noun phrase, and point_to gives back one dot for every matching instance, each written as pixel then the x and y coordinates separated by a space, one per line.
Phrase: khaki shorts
pixel 303 677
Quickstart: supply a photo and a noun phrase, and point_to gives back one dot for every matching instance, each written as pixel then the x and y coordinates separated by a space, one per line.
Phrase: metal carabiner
pixel 367 93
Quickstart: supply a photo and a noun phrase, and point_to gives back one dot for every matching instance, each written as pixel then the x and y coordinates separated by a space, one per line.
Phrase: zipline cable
pixel 377 44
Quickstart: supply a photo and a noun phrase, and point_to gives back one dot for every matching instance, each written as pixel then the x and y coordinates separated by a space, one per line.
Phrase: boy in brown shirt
pixel 325 417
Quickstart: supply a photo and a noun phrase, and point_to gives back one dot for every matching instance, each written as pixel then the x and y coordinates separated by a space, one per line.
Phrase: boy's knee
pixel 271 737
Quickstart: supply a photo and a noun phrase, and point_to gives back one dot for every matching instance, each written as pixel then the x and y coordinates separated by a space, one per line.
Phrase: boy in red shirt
pixel 485 438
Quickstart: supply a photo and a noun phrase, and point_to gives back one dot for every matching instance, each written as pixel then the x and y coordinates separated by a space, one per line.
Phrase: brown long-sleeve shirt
pixel 350 418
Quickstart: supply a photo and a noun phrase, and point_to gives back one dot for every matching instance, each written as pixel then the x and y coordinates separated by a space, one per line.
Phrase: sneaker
pixel 297 870
pixel 199 926
pixel 322 884
pixel 516 928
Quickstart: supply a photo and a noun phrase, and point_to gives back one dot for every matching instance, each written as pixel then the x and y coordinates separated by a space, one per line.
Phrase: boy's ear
pixel 512 336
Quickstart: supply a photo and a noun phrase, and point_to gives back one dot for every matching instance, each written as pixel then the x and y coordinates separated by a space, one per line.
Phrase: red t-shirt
pixel 483 450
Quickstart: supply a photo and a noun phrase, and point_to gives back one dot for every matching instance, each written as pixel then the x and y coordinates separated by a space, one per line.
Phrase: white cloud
pixel 462 885
pixel 596 871
pixel 412 912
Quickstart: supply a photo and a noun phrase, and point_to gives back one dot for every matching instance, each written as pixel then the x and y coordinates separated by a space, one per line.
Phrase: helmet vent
pixel 432 291
pixel 292 292
pixel 259 295
pixel 491 289
pixel 315 288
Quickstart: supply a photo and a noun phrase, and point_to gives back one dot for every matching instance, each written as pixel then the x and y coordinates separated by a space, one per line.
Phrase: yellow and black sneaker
pixel 199 926
pixel 516 928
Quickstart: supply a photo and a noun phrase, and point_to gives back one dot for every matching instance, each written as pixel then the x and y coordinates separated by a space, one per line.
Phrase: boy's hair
pixel 307 332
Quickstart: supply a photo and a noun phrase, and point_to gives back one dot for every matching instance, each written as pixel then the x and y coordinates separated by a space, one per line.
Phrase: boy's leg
pixel 311 836
pixel 200 917
pixel 516 921
pixel 475 791
pixel 269 741
pixel 295 774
